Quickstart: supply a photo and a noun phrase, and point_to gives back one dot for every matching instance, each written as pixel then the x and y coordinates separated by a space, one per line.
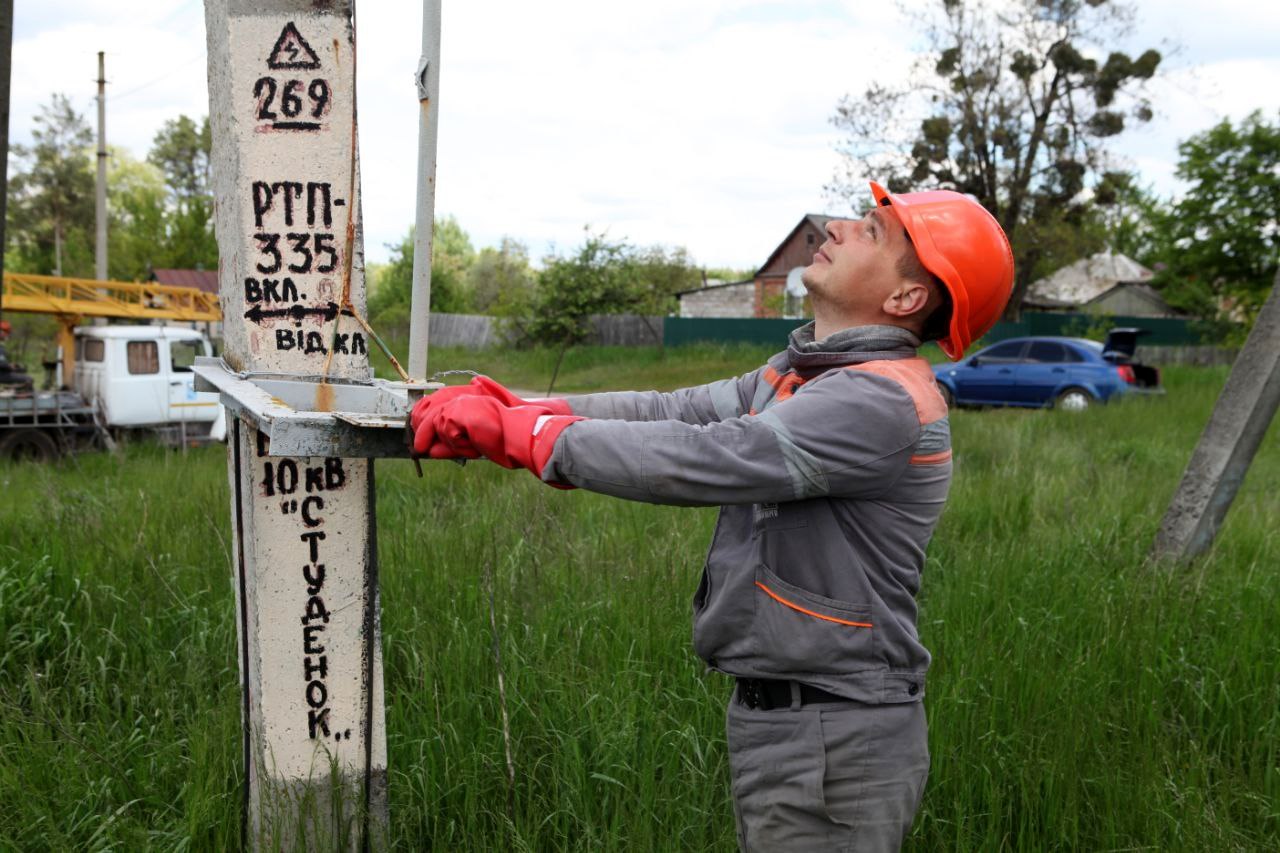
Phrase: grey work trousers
pixel 840 776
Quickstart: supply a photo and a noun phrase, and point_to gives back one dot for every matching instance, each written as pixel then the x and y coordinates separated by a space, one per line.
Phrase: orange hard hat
pixel 961 243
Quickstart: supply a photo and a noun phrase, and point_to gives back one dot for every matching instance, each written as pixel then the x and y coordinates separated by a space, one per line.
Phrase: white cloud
pixel 699 124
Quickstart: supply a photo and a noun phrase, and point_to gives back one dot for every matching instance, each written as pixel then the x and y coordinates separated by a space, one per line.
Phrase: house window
pixel 94 349
pixel 809 239
pixel 144 357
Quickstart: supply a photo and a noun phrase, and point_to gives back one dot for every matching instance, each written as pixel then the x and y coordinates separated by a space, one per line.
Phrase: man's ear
pixel 906 300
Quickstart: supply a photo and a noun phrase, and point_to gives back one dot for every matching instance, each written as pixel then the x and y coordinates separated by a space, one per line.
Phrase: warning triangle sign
pixel 292 51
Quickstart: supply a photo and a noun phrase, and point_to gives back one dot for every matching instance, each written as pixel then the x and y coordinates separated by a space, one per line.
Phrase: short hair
pixel 938 324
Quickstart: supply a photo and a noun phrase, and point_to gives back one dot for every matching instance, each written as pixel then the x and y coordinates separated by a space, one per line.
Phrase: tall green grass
pixel 1078 701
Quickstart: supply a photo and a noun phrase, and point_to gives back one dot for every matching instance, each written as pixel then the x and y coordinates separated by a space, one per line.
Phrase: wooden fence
pixel 1200 356
pixel 474 331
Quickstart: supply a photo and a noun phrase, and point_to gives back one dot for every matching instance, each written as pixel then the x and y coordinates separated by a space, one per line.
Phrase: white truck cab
pixel 140 377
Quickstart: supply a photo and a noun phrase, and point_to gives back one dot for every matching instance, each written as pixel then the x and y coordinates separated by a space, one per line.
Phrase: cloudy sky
pixel 701 124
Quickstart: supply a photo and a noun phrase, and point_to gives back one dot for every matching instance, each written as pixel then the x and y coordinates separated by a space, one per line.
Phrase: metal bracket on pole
pixel 420 77
pixel 364 419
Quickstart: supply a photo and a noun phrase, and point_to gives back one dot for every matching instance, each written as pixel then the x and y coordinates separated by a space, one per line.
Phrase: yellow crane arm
pixel 73 299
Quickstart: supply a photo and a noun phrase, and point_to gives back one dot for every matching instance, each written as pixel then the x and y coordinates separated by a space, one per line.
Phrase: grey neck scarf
pixel 849 346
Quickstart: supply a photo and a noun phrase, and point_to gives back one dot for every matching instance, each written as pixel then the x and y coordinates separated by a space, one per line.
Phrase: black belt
pixel 766 694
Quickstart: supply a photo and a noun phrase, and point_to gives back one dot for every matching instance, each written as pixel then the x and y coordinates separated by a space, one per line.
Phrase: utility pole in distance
pixel 6 62
pixel 100 245
pixel 286 182
pixel 1236 428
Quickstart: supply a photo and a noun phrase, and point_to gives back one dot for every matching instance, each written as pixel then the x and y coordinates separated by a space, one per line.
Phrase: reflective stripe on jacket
pixel 831 464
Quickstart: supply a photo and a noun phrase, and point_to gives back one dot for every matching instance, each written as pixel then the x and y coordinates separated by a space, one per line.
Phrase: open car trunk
pixel 1121 346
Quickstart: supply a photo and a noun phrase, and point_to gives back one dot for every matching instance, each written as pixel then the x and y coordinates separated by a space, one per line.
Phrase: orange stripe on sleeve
pixel 931 458
pixel 808 612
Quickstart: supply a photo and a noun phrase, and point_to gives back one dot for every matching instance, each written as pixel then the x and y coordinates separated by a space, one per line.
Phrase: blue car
pixel 1070 373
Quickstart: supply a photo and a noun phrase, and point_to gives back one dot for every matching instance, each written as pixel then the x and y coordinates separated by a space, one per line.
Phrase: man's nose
pixel 838 228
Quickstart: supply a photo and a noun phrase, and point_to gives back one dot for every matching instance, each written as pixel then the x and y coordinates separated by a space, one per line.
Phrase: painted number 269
pixel 291 100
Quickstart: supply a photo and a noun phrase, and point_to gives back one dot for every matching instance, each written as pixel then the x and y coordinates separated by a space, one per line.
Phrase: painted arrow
pixel 295 312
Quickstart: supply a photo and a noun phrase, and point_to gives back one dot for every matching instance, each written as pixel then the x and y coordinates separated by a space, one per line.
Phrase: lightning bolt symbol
pixel 292 50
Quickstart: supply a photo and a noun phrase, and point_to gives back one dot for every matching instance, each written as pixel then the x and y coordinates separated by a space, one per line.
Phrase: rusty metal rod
pixel 351 309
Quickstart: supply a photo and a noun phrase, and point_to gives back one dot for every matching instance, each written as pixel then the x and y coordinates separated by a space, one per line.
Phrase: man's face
pixel 857 267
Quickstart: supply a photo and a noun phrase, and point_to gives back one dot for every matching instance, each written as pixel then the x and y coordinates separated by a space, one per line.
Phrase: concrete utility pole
pixel 282 105
pixel 428 81
pixel 1235 430
pixel 100 247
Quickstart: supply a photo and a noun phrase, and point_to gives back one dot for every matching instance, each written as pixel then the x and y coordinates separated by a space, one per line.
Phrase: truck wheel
pixel 28 444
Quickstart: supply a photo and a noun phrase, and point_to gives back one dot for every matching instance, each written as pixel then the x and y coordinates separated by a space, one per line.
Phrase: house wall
pixel 796 252
pixel 734 300
pixel 770 291
pixel 771 281
pixel 1130 303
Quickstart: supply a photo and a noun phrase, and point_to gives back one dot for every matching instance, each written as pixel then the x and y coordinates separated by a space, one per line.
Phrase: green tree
pixel 137 234
pixel 181 150
pixel 604 276
pixel 1222 237
pixel 451 256
pixel 658 274
pixel 51 206
pixel 1007 104
pixel 1131 219
pixel 500 280
pixel 598 278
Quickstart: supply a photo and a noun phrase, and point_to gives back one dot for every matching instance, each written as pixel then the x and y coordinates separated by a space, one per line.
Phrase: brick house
pixel 793 253
pixel 766 294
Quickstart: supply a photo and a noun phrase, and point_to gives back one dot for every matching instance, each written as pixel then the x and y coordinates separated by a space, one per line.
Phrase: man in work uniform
pixel 831 464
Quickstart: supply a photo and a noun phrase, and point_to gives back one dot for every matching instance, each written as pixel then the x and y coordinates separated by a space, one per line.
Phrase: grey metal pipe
pixel 428 81
pixel 100 243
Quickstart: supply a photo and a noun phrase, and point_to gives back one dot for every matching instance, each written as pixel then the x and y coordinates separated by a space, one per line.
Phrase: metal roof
pixel 206 280
pixel 1086 280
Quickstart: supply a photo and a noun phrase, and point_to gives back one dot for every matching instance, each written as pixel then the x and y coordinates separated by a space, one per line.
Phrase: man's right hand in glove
pixel 474 426
pixel 480 386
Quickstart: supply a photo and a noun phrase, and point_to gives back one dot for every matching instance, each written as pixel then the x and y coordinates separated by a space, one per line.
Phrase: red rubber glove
pixel 495 390
pixel 481 386
pixel 512 436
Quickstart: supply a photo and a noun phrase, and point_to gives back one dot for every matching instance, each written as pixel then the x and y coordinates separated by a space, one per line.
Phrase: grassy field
pixel 1078 700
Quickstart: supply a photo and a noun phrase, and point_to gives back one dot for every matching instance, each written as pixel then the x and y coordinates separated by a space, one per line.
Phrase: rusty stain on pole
pixel 283 114
pixel 427 79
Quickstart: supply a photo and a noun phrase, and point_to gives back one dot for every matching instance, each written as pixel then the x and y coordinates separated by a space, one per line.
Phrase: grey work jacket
pixel 831 465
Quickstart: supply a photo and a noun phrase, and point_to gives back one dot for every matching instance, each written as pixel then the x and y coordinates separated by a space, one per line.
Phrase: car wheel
pixel 28 444
pixel 1074 400
pixel 947 396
